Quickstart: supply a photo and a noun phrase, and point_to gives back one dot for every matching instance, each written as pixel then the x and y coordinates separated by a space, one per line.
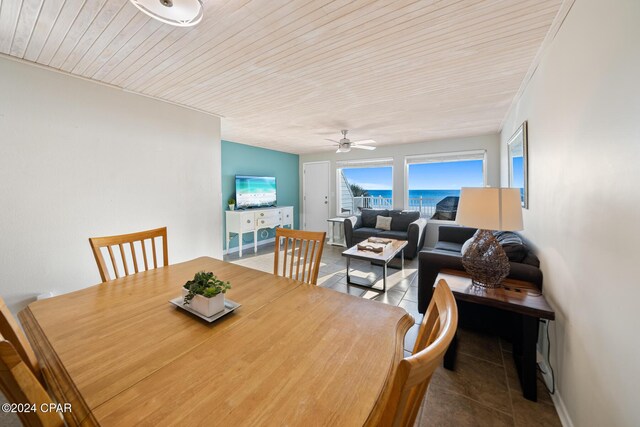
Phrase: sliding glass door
pixel 364 184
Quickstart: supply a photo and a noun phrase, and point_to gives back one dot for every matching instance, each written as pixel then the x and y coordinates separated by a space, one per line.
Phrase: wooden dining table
pixel 292 354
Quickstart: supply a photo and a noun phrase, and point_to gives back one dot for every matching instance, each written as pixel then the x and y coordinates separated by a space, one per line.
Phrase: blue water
pixel 415 194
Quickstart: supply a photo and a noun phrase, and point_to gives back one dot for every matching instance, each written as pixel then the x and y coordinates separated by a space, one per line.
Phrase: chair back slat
pixel 299 239
pixel 414 372
pixel 311 258
pixel 304 262
pixel 12 332
pixel 153 249
pixel 293 257
pixel 284 263
pixel 113 263
pixel 133 255
pixel 124 260
pixel 144 256
pixel 19 385
pixel 126 243
pixel 298 262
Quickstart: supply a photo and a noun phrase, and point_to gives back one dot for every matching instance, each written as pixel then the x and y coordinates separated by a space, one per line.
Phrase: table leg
pixel 384 277
pixel 365 283
pixel 529 363
pixel 450 355
pixel 240 244
pixel 331 233
pixel 524 355
pixel 255 241
pixel 348 262
pixel 402 259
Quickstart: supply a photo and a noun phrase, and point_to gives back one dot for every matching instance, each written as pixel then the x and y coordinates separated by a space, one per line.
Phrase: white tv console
pixel 252 220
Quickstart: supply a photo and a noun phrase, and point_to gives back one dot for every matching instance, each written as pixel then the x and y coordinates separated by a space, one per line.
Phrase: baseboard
pixel 248 246
pixel 563 414
pixel 545 371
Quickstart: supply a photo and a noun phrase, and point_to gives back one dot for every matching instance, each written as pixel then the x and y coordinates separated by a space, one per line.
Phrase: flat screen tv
pixel 255 191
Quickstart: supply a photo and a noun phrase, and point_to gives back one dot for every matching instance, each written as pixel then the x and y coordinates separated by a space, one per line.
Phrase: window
pixel 434 181
pixel 364 184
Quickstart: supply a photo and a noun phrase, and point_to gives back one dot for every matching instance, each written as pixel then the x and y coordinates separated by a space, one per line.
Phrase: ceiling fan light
pixel 180 13
pixel 344 148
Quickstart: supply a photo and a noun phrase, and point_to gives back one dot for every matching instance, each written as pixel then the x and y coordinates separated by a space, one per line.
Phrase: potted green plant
pixel 232 203
pixel 205 293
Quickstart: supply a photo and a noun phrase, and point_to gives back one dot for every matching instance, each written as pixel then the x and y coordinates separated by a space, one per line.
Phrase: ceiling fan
pixel 345 145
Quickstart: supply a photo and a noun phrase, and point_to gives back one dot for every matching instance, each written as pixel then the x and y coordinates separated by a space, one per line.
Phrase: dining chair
pixel 20 386
pixel 295 243
pixel 126 244
pixel 414 372
pixel 13 333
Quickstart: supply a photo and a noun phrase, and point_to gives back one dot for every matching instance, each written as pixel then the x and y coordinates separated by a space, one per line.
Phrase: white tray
pixel 229 306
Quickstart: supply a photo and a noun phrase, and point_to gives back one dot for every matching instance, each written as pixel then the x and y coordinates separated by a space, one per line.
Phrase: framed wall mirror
pixel 517 149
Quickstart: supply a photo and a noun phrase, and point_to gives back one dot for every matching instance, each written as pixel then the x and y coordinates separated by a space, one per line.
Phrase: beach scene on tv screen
pixel 253 191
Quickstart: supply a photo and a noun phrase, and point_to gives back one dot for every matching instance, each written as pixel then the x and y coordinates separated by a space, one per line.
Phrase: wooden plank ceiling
pixel 285 74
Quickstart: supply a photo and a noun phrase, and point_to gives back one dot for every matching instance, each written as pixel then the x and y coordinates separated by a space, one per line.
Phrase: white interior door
pixel 315 190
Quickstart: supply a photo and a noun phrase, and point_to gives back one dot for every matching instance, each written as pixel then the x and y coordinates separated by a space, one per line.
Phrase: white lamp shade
pixel 490 208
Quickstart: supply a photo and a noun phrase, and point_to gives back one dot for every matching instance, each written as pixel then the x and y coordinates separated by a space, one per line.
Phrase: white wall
pixel 583 108
pixel 490 143
pixel 79 159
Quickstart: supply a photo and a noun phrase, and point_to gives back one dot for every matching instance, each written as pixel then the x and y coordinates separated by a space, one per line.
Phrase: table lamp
pixel 488 209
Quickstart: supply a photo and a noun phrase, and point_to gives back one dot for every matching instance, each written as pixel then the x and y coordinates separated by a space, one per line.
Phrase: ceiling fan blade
pixel 332 140
pixel 363 147
pixel 364 141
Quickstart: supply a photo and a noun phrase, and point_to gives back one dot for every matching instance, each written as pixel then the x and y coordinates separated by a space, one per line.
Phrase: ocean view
pixel 416 194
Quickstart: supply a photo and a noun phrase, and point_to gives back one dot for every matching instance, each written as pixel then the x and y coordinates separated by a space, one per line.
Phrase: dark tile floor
pixel 483 390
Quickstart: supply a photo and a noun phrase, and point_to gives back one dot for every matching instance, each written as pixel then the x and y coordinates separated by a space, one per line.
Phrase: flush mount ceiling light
pixel 181 13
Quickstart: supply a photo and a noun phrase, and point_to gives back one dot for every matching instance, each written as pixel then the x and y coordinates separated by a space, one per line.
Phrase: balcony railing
pixel 371 202
pixel 425 205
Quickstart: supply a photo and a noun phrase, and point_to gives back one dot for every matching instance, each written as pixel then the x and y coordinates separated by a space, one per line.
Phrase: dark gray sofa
pixel 447 255
pixel 405 225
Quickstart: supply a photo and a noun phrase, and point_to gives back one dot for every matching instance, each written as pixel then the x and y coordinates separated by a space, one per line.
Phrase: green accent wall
pixel 240 159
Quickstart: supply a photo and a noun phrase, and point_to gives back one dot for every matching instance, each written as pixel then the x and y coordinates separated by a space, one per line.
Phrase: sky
pixel 370 178
pixel 425 176
pixel 518 172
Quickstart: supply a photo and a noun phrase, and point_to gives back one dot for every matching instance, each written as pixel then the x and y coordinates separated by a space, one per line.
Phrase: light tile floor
pixel 482 391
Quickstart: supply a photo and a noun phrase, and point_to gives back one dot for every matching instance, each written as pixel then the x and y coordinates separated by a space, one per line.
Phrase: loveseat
pixel 405 225
pixel 446 254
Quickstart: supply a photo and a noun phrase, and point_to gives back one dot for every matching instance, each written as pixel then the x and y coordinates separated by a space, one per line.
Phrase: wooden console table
pixel 520 297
